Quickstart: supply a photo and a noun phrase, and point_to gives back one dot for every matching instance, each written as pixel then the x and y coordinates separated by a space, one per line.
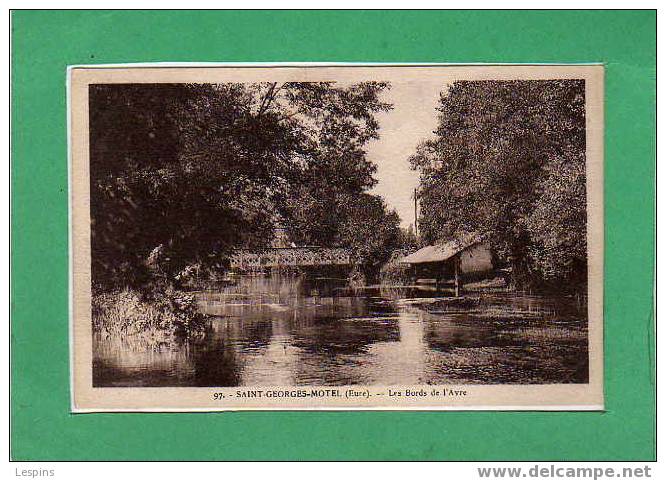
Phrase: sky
pixel 412 119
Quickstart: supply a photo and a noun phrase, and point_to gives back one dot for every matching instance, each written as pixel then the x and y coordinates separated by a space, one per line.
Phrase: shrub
pixel 127 312
pixel 394 272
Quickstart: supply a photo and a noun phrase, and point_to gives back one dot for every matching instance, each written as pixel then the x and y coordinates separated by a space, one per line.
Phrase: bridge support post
pixel 456 264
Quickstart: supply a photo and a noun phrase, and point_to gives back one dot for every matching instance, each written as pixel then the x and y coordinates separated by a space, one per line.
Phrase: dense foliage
pixel 507 162
pixel 159 319
pixel 182 174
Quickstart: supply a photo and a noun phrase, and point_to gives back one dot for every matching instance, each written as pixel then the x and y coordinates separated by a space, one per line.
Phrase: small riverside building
pixel 451 260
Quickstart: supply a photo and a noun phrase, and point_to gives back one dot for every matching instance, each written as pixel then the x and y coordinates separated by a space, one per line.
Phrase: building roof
pixel 436 253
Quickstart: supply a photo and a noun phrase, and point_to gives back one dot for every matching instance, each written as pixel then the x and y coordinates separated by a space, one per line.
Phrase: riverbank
pixel 159 315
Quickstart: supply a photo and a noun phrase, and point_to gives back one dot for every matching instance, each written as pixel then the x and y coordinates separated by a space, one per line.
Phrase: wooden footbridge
pixel 285 257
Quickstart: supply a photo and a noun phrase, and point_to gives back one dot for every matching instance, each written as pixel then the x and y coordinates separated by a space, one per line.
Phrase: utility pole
pixel 416 214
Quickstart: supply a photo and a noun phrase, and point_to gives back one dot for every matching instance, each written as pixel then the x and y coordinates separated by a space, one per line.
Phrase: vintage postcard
pixel 336 237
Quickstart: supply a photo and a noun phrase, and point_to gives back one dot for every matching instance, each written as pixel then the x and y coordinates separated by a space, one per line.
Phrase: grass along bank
pixel 161 315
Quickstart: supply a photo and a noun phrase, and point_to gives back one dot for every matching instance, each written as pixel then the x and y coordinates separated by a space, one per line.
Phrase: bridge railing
pixel 290 257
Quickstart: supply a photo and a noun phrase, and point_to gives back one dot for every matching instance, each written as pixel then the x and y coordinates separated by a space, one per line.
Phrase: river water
pixel 273 330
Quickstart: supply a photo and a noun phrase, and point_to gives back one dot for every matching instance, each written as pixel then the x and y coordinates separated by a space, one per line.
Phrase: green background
pixel 44 43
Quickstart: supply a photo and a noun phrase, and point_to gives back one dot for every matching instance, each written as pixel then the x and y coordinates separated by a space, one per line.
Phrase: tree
pixel 501 155
pixel 156 182
pixel 186 173
pixel 370 231
pixel 409 242
pixel 558 223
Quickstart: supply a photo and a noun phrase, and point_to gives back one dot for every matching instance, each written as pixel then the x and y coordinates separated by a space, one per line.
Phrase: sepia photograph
pixel 362 237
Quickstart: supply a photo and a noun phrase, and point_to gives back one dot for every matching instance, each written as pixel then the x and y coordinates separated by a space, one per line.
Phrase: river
pixel 277 330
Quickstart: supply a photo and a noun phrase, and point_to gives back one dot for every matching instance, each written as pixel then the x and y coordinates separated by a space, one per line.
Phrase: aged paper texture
pixel 336 237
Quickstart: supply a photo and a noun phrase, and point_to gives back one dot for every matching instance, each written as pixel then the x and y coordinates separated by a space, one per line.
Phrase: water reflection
pixel 296 331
